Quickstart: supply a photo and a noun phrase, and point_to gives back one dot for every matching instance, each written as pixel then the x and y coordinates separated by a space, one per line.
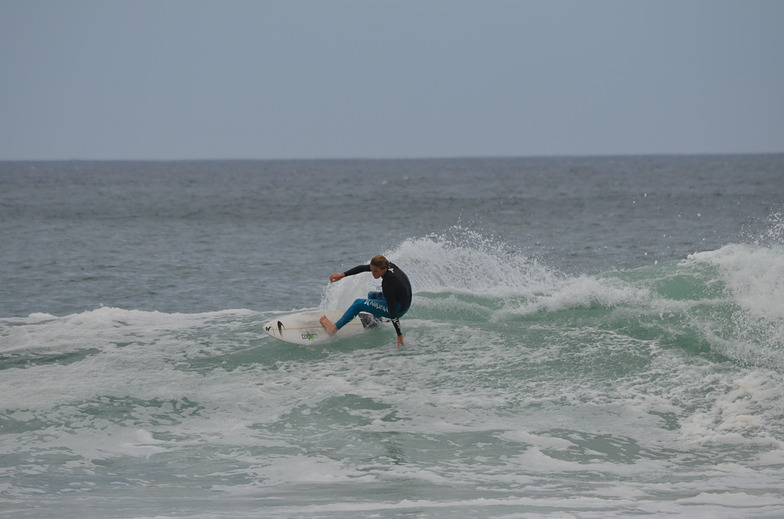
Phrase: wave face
pixel 523 391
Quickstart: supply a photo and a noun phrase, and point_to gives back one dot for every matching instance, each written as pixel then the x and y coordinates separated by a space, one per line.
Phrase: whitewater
pixel 589 338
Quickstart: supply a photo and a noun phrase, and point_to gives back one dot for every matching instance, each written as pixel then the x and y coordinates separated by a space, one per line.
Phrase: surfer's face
pixel 377 272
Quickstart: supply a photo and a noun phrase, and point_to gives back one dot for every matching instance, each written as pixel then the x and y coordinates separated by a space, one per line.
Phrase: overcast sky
pixel 200 79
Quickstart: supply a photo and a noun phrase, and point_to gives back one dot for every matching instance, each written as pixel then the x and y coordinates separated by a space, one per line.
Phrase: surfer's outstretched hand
pixel 336 277
pixel 400 342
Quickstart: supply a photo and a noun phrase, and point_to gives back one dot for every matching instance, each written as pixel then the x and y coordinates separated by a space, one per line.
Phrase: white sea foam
pixel 754 280
pixel 754 275
pixel 542 381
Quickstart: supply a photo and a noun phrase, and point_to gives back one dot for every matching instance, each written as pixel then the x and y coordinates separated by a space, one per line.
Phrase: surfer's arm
pixel 396 324
pixel 356 270
pixel 392 307
pixel 391 296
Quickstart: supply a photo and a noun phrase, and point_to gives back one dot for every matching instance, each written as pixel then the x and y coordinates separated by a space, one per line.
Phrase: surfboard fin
pixel 368 321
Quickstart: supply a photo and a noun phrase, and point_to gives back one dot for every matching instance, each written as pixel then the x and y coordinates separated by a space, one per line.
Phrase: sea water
pixel 589 338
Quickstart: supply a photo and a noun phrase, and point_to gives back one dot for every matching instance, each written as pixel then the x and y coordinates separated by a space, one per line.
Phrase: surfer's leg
pixel 376 306
pixel 379 310
pixel 360 305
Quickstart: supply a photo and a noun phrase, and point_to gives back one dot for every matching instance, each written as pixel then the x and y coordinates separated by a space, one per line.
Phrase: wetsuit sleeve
pixel 390 296
pixel 357 270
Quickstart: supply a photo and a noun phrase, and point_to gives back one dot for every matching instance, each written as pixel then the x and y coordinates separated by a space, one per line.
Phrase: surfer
pixel 392 302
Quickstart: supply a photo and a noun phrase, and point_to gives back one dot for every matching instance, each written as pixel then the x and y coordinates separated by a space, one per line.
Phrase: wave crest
pixel 728 301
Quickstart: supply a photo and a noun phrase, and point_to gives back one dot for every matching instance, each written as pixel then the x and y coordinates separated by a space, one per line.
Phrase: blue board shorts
pixel 375 304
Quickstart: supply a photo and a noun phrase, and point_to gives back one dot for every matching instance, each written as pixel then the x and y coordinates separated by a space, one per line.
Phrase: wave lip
pixel 751 325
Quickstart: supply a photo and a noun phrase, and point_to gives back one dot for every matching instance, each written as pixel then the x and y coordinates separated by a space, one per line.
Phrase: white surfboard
pixel 304 328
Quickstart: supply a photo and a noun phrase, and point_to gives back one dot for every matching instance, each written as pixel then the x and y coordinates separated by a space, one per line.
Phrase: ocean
pixel 590 337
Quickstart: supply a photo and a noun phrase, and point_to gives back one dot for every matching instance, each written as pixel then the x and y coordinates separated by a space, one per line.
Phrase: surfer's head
pixel 378 266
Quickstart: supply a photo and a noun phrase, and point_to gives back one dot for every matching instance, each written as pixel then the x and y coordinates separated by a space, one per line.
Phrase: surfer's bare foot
pixel 328 325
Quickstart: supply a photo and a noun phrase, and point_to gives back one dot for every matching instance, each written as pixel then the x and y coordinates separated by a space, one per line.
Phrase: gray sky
pixel 199 79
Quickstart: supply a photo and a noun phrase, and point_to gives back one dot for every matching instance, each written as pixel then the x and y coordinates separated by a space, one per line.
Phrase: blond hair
pixel 380 262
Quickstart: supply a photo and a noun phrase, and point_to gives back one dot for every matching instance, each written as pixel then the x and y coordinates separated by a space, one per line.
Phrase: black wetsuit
pixel 396 289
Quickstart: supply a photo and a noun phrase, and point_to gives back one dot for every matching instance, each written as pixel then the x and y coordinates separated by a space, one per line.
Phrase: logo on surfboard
pixel 308 336
pixel 280 328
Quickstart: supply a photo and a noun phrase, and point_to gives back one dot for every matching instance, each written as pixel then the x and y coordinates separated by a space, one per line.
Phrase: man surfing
pixel 392 302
